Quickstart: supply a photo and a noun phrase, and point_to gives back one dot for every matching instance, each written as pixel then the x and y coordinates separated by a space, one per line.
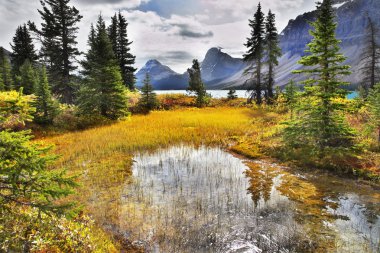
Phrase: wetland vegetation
pixel 88 163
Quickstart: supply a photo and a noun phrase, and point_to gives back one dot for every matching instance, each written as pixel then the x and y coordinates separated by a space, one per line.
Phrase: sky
pixel 171 31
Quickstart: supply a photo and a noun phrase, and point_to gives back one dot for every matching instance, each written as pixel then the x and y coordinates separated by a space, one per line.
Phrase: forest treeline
pixel 52 87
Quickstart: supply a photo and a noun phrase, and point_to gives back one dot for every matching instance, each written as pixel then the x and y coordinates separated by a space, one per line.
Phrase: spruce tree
pixel 320 122
pixel 59 46
pixel 46 107
pixel 255 54
pixel 126 59
pixel 23 49
pixel 28 78
pixel 113 33
pixel 374 108
pixel 273 52
pixel 370 58
pixel 196 85
pixel 231 94
pixel 291 94
pixel 26 180
pixel 6 82
pixel 102 92
pixel 148 100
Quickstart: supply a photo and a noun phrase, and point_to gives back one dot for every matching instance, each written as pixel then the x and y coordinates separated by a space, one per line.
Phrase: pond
pixel 201 199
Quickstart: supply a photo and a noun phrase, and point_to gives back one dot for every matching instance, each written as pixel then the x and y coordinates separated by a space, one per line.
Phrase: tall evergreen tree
pixel 103 92
pixel 23 49
pixel 6 82
pixel 371 58
pixel 291 97
pixel 374 108
pixel 196 85
pixel 126 59
pixel 58 34
pixel 320 121
pixel 273 51
pixel 255 54
pixel 113 33
pixel 148 100
pixel 28 78
pixel 46 108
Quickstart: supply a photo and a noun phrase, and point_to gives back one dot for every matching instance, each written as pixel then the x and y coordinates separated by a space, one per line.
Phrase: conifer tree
pixel 320 121
pixel 148 99
pixel 23 49
pixel 291 97
pixel 371 58
pixel 126 59
pixel 374 108
pixel 46 107
pixel 6 82
pixel 113 33
pixel 196 85
pixel 102 92
pixel 255 54
pixel 26 180
pixel 28 78
pixel 231 94
pixel 273 52
pixel 59 46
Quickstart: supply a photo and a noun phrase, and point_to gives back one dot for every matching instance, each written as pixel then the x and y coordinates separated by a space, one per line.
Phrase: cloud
pixel 115 4
pixel 173 31
pixel 185 32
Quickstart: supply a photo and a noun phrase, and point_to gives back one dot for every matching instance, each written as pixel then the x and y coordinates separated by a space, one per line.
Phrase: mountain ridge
pixel 221 71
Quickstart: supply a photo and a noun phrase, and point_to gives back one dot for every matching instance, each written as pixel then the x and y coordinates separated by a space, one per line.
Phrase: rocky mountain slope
pixel 221 71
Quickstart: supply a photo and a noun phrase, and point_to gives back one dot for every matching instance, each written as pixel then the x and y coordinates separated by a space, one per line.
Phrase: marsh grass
pixel 102 156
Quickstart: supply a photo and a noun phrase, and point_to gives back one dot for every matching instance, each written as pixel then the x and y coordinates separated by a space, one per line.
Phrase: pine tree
pixel 126 59
pixel 371 58
pixel 103 92
pixel 374 108
pixel 26 180
pixel 255 54
pixel 46 107
pixel 291 97
pixel 148 99
pixel 320 121
pixel 28 78
pixel 231 94
pixel 113 33
pixel 59 50
pixel 196 85
pixel 23 49
pixel 273 52
pixel 6 82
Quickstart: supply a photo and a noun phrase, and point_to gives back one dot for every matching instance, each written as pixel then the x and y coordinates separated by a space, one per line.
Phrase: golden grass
pixel 103 156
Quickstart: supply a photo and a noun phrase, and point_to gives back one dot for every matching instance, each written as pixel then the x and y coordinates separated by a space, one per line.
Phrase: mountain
pixel 162 77
pixel 215 67
pixel 352 22
pixel 7 52
pixel 219 65
pixel 221 71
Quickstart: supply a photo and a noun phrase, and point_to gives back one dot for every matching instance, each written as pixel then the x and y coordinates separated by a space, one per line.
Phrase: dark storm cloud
pixel 187 31
pixel 192 34
pixel 173 56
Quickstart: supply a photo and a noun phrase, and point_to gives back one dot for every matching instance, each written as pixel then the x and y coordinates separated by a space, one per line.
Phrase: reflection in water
pixel 185 199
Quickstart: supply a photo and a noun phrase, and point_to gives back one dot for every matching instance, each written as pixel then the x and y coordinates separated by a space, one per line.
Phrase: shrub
pixel 15 110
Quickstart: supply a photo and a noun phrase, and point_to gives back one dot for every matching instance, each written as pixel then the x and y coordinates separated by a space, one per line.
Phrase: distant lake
pixel 223 93
pixel 214 93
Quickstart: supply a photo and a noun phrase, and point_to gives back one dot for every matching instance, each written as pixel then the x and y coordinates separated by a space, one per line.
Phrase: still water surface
pixel 223 93
pixel 186 199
